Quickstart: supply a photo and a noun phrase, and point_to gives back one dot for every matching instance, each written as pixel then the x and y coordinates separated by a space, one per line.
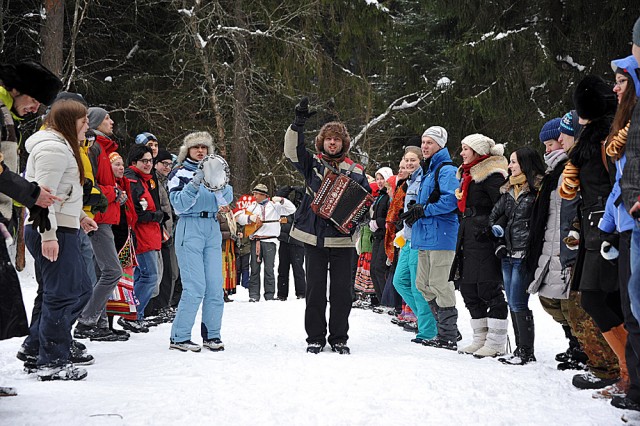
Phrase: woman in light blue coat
pixel 198 242
pixel 404 279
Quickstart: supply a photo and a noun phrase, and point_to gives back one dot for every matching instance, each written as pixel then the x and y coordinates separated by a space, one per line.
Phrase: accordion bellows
pixel 342 201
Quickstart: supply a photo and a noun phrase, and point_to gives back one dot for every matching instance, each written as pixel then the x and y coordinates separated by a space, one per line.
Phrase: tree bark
pixel 52 35
pixel 240 145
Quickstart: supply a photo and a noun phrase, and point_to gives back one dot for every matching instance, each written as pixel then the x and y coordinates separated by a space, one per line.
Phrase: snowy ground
pixel 264 377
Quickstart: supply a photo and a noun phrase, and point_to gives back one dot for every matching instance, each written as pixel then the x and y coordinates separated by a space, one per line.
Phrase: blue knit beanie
pixel 144 137
pixel 569 124
pixel 550 130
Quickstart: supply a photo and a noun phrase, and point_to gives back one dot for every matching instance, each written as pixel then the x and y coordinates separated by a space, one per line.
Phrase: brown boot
pixel 617 339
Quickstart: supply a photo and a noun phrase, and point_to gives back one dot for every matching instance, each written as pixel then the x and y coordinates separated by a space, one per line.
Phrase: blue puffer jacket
pixel 438 230
pixel 616 218
pixel 308 227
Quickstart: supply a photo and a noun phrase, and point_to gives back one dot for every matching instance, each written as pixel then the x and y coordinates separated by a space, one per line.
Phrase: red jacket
pixel 99 155
pixel 147 232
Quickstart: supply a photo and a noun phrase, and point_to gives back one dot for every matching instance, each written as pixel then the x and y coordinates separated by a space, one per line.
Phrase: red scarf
pixel 466 181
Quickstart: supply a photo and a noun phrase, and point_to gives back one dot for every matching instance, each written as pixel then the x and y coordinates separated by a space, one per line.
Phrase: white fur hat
pixel 195 139
pixel 483 145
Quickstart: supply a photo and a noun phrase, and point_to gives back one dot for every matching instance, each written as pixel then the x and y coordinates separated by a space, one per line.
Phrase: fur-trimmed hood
pixel 487 167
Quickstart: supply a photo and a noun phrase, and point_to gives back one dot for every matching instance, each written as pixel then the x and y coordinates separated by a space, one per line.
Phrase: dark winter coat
pixel 593 271
pixel 380 209
pixel 296 199
pixel 475 260
pixel 518 214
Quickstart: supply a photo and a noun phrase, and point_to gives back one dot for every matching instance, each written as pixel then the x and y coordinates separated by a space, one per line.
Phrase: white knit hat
pixel 483 145
pixel 385 172
pixel 438 134
pixel 195 139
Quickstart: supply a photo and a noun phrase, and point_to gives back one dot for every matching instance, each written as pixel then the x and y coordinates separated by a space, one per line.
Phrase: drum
pixel 216 172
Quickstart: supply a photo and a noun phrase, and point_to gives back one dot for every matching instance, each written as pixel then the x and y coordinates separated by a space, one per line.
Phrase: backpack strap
pixel 435 194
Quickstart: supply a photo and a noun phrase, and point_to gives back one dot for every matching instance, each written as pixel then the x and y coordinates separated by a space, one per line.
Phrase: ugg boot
pixel 480 330
pixel 524 352
pixel 496 339
pixel 617 339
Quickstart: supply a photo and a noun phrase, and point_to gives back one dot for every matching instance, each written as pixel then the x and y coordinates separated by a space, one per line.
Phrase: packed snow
pixel 265 377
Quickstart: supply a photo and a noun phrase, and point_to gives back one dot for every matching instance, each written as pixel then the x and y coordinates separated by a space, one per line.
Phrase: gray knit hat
pixel 96 117
pixel 438 134
pixel 195 139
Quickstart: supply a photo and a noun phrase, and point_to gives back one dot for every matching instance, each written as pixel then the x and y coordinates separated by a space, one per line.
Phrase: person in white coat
pixel 264 215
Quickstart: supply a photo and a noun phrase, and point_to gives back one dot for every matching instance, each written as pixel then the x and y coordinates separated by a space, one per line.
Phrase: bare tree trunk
pixel 51 34
pixel 240 145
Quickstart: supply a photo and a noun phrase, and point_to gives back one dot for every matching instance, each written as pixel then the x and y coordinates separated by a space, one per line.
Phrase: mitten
pixel 302 112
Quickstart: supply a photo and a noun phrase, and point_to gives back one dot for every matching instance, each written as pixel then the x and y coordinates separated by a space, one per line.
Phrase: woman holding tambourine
pixel 198 189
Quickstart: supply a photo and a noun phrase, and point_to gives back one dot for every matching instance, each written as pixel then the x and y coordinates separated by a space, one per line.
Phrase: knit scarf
pixel 189 164
pixel 461 193
pixel 517 183
pixel 615 148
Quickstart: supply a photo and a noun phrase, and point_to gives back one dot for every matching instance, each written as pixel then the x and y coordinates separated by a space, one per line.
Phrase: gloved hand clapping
pixel 302 112
pixel 158 216
pixel 413 214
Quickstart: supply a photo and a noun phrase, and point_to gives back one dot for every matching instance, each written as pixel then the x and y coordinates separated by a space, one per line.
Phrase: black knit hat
pixel 163 154
pixel 31 78
pixel 594 98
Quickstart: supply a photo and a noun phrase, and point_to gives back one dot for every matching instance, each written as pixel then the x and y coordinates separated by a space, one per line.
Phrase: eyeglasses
pixel 146 160
pixel 621 82
pixel 166 163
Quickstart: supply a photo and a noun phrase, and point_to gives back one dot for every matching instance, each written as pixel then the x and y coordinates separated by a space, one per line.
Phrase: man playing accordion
pixel 327 246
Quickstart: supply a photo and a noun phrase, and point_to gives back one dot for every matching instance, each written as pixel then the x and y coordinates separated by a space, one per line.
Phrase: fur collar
pixel 484 169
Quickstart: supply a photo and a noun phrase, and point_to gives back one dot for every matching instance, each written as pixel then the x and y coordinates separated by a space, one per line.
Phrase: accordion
pixel 342 201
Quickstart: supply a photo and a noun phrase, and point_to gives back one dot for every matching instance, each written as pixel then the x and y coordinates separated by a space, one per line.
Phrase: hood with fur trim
pixel 485 168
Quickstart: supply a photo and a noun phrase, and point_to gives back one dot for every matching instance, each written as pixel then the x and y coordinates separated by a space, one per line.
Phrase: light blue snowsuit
pixel 198 243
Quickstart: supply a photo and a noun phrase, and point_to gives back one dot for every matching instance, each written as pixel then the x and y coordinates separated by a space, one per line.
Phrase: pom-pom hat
pixel 483 145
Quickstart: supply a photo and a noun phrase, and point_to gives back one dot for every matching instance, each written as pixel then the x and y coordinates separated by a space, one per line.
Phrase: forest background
pixel 388 69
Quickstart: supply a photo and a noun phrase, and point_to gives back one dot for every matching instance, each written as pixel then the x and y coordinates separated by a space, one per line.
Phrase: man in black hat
pixel 23 88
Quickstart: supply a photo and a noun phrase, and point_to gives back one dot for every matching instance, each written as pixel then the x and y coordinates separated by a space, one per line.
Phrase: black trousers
pixel 379 266
pixel 484 299
pixel 291 256
pixel 338 261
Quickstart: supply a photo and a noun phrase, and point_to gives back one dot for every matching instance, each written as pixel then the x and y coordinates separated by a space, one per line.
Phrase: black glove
pixel 40 218
pixel 414 212
pixel 158 216
pixel 302 112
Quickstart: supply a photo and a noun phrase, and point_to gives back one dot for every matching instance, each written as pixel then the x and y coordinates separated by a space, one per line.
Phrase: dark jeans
pixel 632 350
pixel 291 255
pixel 339 262
pixel 516 283
pixel 167 283
pixel 66 288
pixel 242 264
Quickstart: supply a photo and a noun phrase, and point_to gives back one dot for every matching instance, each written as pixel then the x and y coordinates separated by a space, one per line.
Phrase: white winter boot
pixel 480 330
pixel 496 339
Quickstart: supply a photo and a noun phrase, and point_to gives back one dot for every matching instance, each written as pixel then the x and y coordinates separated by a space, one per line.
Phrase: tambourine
pixel 216 172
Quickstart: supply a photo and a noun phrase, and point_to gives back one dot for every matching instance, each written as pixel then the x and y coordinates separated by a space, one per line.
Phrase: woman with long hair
pixel 55 162
pixel 476 270
pixel 509 219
